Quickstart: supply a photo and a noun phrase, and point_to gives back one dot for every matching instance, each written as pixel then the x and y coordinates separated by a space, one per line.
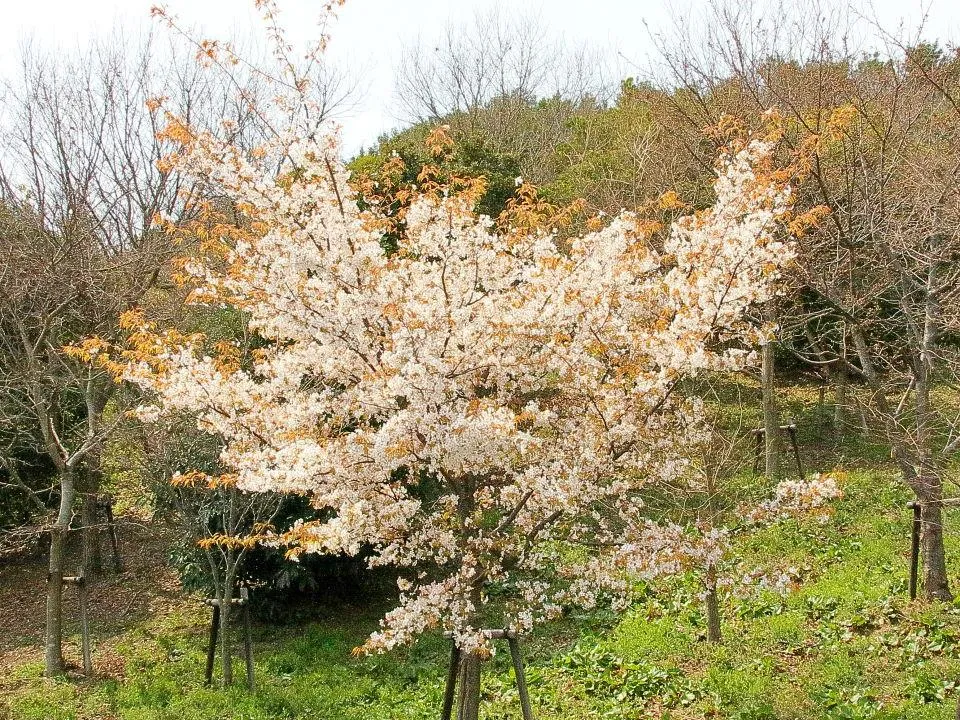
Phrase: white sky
pixel 369 34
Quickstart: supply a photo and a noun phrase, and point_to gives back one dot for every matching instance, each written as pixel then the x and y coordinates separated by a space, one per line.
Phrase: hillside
pixel 846 643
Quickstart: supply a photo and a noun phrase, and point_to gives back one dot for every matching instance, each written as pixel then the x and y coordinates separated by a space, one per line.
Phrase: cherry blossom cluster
pixel 480 407
pixel 811 496
pixel 654 550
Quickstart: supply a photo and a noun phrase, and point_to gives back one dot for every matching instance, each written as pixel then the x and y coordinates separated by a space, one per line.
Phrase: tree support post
pixel 518 672
pixel 760 433
pixel 81 584
pixel 247 641
pixel 212 648
pixel 520 676
pixel 792 429
pixel 244 603
pixel 451 688
pixel 916 529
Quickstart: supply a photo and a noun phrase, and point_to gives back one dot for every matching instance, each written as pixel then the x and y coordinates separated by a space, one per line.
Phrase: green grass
pixel 846 644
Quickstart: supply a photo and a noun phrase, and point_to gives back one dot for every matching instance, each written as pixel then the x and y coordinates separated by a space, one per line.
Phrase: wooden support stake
pixel 756 456
pixel 78 580
pixel 244 602
pixel 85 629
pixel 247 640
pixel 792 429
pixel 759 433
pixel 917 527
pixel 453 673
pixel 521 677
pixel 212 649
pixel 451 688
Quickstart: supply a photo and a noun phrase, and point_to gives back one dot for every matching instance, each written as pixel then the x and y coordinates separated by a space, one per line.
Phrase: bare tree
pixel 875 297
pixel 51 290
pixel 505 81
pixel 491 56
pixel 82 179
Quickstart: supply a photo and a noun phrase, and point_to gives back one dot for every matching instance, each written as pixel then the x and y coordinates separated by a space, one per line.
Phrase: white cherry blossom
pixel 481 407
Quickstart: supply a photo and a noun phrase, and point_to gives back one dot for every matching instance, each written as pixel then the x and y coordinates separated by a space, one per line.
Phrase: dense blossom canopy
pixel 480 406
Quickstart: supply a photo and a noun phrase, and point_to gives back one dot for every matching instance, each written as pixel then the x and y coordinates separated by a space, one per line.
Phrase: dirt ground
pixel 146 587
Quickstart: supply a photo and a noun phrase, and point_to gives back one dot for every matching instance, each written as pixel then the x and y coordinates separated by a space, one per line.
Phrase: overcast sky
pixel 369 34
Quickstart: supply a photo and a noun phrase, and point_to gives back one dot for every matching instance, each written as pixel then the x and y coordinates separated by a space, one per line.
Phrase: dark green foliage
pixel 282 590
pixel 474 155
pixel 36 471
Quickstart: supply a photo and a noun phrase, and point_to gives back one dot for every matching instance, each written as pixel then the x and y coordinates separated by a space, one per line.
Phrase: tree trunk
pixel 468 707
pixel 92 476
pixel 929 484
pixel 936 586
pixel 771 417
pixel 712 602
pixel 92 556
pixel 917 469
pixel 840 399
pixel 225 617
pixel 53 656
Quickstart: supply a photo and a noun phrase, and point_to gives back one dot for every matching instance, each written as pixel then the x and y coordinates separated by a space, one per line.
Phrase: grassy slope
pixel 846 644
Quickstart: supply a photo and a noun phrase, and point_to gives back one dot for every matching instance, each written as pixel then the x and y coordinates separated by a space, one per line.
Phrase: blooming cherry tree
pixel 482 404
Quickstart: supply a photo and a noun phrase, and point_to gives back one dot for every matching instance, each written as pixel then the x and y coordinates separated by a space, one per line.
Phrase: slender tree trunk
pixel 92 555
pixel 226 612
pixel 834 374
pixel 840 399
pixel 53 656
pixel 712 602
pixel 929 491
pixel 936 586
pixel 771 416
pixel 918 472
pixel 95 398
pixel 468 707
